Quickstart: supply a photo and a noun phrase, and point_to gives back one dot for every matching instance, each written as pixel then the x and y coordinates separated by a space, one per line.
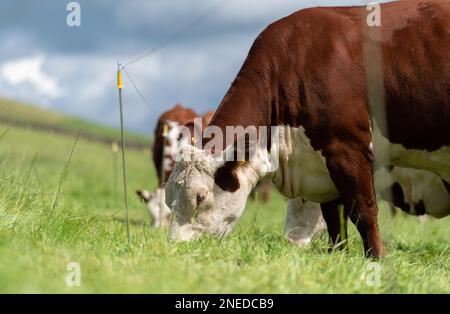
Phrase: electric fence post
pixel 124 170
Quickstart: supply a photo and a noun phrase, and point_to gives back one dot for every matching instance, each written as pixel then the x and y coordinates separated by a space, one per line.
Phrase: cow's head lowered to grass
pixel 208 194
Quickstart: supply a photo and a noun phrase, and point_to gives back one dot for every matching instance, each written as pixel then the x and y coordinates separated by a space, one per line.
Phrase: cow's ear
pixel 226 177
pixel 145 196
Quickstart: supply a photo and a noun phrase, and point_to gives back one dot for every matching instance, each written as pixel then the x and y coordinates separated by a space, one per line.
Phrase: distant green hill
pixel 20 114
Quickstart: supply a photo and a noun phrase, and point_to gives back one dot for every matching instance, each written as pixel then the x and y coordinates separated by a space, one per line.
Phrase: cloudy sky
pixel 72 69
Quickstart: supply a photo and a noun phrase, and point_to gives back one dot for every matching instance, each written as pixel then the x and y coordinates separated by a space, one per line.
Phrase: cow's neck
pixel 259 97
pixel 247 103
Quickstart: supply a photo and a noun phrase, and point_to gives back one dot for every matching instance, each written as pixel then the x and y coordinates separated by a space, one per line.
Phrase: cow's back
pixel 322 67
pixel 416 62
pixel 317 72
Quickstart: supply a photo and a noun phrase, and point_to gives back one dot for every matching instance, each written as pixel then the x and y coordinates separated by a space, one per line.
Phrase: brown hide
pixel 178 114
pixel 310 69
pixel 207 117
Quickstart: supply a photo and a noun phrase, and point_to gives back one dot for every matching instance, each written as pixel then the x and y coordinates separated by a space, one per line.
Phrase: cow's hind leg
pixel 303 221
pixel 350 168
pixel 336 218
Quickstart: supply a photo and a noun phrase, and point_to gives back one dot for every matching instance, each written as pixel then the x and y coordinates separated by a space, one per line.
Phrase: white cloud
pixel 29 71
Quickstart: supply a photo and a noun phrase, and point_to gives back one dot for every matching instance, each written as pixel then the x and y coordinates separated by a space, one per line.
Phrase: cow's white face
pixel 207 196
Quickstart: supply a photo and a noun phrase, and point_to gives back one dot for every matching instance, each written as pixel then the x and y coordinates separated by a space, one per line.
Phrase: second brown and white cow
pixel 164 147
pixel 310 75
pixel 416 192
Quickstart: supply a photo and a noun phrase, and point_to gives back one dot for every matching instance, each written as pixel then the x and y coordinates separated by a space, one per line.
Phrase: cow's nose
pixel 201 197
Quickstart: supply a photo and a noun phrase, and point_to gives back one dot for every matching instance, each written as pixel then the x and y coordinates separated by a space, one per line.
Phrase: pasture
pixel 87 226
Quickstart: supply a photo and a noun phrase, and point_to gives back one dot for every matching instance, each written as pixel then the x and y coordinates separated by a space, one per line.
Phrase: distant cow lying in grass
pixel 163 150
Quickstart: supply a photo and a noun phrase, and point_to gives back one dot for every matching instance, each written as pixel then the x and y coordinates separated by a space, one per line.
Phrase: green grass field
pixel 38 238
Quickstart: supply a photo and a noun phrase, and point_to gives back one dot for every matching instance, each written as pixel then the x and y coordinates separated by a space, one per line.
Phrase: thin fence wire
pixel 175 36
pixel 178 34
pixel 144 100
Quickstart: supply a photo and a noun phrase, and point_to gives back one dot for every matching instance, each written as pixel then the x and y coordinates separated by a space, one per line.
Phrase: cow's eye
pixel 230 218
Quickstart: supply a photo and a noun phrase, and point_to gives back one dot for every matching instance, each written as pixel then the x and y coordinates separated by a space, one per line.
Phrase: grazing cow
pixel 315 76
pixel 163 149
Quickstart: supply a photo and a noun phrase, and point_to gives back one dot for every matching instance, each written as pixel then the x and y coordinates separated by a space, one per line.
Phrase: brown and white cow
pixel 312 75
pixel 165 146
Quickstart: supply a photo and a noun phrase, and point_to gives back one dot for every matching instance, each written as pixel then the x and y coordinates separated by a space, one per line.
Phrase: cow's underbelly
pixel 302 171
pixel 387 153
pixel 423 186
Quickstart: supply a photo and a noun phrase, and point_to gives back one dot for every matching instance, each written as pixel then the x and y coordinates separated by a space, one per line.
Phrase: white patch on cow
pixel 387 153
pixel 382 179
pixel 302 171
pixel 171 145
pixel 172 135
pixel 303 221
pixel 146 196
pixel 157 208
pixel 419 185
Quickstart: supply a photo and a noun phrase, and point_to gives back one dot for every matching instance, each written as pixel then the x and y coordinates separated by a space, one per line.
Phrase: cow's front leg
pixel 303 221
pixel 350 167
pixel 336 220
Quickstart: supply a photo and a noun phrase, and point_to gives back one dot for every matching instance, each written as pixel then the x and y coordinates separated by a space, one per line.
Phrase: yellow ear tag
pixel 193 140
pixel 165 130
